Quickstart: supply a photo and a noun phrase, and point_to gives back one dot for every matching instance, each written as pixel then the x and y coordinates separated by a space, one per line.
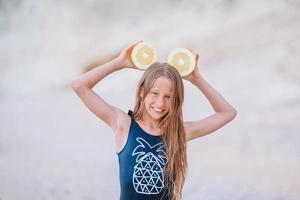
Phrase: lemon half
pixel 183 60
pixel 143 55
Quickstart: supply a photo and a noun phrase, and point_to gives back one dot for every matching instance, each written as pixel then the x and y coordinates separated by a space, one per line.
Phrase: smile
pixel 157 109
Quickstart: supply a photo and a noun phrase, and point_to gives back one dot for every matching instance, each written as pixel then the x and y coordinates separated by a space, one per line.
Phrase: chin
pixel 158 116
pixel 155 116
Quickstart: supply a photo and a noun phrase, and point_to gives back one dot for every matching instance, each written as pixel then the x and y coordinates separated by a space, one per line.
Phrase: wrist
pixel 194 80
pixel 117 63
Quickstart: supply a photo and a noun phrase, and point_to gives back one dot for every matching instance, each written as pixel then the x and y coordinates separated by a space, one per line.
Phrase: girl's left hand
pixel 194 75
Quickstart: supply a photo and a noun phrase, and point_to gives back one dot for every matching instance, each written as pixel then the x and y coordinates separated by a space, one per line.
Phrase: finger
pixel 196 59
pixel 134 44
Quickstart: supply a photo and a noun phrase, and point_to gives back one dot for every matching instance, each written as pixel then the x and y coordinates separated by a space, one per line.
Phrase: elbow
pixel 75 85
pixel 78 87
pixel 232 113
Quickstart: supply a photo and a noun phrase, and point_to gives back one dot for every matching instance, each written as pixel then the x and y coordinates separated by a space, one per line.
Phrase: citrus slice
pixel 183 60
pixel 143 55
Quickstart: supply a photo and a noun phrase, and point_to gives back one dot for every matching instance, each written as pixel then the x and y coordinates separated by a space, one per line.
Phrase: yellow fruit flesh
pixel 145 55
pixel 181 62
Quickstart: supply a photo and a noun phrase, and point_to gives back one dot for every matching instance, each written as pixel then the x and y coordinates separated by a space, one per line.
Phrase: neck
pixel 150 124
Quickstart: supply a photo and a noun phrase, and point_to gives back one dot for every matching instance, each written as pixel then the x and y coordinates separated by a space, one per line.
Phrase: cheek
pixel 147 101
pixel 169 104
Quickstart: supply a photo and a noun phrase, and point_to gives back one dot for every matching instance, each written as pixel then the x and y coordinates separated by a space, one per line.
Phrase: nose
pixel 160 102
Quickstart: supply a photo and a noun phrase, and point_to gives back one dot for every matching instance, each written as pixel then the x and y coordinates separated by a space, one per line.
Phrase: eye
pixel 154 93
pixel 168 97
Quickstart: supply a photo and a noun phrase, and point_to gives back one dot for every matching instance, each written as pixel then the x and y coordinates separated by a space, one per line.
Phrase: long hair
pixel 173 133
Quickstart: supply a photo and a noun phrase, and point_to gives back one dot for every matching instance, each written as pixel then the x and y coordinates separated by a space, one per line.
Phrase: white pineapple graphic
pixel 148 175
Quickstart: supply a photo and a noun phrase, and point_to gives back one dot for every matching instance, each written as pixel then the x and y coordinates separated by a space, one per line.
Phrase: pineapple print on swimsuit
pixel 148 172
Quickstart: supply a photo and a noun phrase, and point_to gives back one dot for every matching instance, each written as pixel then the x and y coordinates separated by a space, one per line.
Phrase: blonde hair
pixel 171 125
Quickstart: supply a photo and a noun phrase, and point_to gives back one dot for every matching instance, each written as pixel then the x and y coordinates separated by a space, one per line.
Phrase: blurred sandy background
pixel 53 148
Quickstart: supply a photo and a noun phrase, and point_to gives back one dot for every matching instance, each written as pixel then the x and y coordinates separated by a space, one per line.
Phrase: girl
pixel 151 140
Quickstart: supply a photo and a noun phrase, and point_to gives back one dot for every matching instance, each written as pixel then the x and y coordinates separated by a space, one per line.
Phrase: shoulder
pixel 190 128
pixel 187 129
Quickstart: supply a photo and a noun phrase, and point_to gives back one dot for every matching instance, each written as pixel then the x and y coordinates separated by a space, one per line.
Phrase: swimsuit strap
pixel 130 113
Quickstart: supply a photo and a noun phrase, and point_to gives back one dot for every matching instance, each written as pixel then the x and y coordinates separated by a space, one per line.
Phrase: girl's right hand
pixel 125 56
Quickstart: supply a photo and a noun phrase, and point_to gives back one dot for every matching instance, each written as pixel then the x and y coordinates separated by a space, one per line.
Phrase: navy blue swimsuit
pixel 141 165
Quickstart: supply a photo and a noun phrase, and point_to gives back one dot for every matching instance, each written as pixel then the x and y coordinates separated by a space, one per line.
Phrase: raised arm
pixel 83 87
pixel 224 112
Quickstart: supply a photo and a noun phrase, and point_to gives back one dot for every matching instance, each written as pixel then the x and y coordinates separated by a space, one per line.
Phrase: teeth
pixel 156 109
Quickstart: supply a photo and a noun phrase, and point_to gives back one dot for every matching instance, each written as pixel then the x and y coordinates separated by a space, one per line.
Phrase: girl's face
pixel 158 100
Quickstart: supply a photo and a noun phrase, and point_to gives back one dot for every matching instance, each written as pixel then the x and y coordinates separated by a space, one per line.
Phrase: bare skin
pixel 224 112
pixel 157 104
pixel 119 121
